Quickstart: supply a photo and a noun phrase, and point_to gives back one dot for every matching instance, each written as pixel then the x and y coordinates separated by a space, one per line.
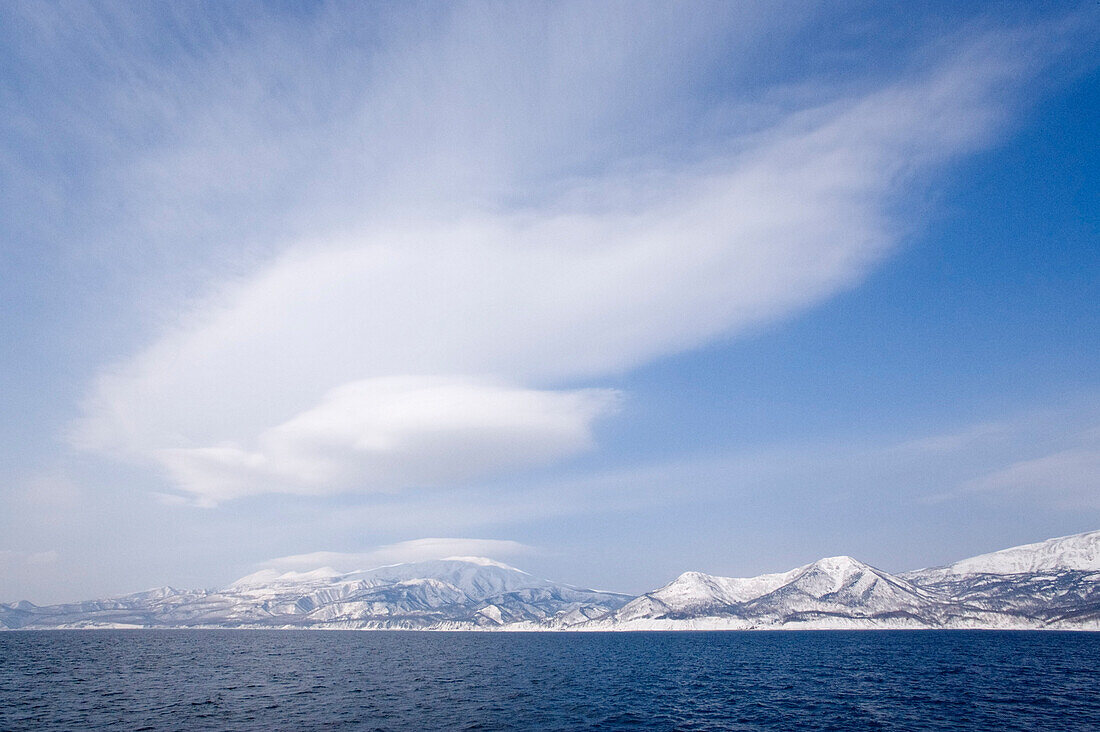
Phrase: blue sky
pixel 607 292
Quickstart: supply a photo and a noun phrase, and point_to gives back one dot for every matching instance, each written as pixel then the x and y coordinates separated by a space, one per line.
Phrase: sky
pixel 608 291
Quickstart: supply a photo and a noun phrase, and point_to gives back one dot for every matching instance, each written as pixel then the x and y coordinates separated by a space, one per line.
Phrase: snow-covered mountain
pixel 828 590
pixel 1054 584
pixel 459 592
pixel 1080 552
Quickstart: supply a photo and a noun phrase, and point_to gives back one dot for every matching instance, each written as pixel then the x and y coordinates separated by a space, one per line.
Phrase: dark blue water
pixel 301 680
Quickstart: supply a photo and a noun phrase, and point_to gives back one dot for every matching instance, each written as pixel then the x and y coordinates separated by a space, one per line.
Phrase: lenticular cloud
pixel 415 352
pixel 389 433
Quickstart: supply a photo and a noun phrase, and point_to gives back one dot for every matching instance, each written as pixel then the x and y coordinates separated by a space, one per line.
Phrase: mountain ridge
pixel 1053 584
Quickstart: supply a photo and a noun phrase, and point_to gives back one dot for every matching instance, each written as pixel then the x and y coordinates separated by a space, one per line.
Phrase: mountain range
pixel 1053 584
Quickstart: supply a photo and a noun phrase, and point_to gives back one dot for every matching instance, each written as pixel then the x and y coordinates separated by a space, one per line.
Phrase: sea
pixel 381 680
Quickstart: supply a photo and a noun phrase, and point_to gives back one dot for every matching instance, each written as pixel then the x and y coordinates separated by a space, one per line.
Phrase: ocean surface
pixel 320 680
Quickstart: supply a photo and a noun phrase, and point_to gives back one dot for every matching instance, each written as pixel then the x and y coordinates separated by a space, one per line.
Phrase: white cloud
pixel 274 385
pixel 416 550
pixel 387 433
pixel 1068 478
pixel 846 477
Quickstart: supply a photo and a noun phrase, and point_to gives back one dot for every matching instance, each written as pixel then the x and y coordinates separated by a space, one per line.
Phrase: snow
pixel 274 577
pixel 695 588
pixel 1079 552
pixel 1053 584
pixel 484 562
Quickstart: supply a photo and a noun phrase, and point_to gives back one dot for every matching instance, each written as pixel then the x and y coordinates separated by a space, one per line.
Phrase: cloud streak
pixel 1070 478
pixel 275 383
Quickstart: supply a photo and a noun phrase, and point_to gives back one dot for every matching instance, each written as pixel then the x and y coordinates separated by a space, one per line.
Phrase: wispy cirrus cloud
pixel 1068 478
pixel 485 259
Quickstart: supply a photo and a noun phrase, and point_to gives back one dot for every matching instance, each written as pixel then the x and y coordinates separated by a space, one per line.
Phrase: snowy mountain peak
pixel 449 567
pixel 484 562
pixel 840 564
pixel 277 577
pixel 1080 552
pixel 841 567
pixel 693 590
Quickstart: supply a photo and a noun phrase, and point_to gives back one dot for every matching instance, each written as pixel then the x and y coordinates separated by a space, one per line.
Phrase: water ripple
pixel 246 680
